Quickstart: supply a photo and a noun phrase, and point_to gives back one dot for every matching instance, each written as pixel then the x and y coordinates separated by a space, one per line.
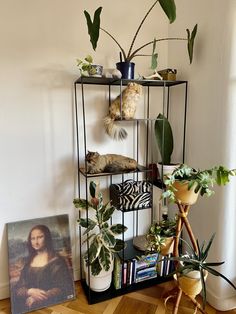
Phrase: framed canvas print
pixel 40 266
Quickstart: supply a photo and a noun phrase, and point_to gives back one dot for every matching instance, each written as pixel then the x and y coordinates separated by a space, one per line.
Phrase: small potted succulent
pixel 165 143
pixel 125 65
pixel 87 68
pixel 102 243
pixel 192 269
pixel 160 236
pixel 186 183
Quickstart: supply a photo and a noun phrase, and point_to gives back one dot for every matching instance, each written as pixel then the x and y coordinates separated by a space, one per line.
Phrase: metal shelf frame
pixel 82 170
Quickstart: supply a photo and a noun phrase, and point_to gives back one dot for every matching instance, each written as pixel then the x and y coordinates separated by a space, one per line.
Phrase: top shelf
pixel 111 81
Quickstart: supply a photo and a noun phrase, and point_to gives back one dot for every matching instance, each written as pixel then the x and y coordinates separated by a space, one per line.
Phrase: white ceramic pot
pixel 165 170
pixel 101 282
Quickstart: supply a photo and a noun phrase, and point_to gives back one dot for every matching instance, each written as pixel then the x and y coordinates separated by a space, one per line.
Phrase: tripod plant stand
pixel 183 222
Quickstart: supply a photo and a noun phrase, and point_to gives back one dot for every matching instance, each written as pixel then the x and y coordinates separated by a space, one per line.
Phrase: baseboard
pixel 5 291
pixel 76 274
pixel 219 303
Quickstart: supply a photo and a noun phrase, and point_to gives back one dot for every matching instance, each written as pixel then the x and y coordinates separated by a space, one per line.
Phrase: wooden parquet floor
pixel 146 301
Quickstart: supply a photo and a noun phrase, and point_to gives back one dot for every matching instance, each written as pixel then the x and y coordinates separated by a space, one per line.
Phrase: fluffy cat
pixel 97 163
pixel 130 97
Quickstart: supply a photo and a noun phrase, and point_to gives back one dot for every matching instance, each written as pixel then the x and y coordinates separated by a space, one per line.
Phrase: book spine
pixel 117 273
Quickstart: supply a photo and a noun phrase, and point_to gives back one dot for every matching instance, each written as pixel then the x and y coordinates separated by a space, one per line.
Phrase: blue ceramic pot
pixel 126 69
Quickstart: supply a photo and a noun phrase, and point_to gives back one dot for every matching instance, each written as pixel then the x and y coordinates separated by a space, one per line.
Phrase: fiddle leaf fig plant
pixel 101 236
pixel 169 8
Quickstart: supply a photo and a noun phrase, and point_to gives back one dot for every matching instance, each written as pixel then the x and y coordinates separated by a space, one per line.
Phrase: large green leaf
pixel 94 250
pixel 81 203
pixel 169 8
pixel 105 258
pixel 108 238
pixel 191 38
pixel 118 229
pixel 93 26
pixel 87 223
pixel 96 267
pixel 107 213
pixel 164 138
pixel 92 188
pixel 120 245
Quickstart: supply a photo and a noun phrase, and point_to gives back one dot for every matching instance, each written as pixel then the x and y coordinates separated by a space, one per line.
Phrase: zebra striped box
pixel 131 195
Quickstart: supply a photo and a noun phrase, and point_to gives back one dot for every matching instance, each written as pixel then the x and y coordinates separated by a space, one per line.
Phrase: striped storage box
pixel 131 195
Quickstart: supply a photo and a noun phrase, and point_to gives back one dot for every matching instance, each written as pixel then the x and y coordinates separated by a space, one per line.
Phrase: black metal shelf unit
pixel 143 170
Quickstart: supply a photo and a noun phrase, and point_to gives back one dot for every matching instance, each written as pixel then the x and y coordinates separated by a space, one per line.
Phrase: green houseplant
pixel 87 68
pixel 187 182
pixel 165 142
pixel 192 269
pixel 168 6
pixel 101 237
pixel 160 236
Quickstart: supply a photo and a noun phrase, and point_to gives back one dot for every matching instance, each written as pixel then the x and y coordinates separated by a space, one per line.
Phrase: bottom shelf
pixel 95 297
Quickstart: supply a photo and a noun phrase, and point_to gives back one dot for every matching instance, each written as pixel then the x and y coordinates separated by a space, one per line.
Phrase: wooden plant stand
pixel 183 222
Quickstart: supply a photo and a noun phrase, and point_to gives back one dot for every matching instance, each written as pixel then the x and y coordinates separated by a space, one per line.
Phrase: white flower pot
pixel 165 170
pixel 98 283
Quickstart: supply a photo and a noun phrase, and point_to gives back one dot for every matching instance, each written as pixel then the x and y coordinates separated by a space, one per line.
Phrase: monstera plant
pixel 101 236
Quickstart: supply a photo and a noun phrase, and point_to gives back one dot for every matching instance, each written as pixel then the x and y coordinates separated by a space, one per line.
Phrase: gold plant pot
pixel 191 286
pixel 168 246
pixel 183 195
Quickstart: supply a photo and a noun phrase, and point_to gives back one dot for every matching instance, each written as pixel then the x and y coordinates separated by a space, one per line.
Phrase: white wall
pixel 211 127
pixel 40 41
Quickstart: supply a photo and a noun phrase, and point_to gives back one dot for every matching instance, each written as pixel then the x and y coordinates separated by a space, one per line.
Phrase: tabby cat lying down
pixel 97 163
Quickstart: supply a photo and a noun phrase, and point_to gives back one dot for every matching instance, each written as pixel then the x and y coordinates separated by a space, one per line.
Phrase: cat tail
pixel 113 130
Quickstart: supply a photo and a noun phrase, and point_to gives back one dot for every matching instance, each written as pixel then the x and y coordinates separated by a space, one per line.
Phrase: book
pixel 117 271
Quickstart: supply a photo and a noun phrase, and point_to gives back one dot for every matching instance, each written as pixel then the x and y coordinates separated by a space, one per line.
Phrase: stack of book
pixel 131 266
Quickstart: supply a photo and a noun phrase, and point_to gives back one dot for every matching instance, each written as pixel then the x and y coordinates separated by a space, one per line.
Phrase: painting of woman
pixel 45 278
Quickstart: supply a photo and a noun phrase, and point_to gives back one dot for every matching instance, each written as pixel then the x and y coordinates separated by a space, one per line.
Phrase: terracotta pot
pixel 191 286
pixel 168 247
pixel 183 195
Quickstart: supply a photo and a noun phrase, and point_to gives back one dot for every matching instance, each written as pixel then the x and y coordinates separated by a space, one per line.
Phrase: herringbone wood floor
pixel 146 301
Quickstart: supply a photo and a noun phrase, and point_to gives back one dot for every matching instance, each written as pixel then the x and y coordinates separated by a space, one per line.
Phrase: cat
pixel 130 97
pixel 97 163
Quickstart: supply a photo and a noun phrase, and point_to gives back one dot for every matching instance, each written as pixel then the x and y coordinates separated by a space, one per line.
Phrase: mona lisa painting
pixel 40 267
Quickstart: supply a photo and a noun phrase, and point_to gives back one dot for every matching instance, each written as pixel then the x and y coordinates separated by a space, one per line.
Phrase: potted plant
pixel 186 183
pixel 165 143
pixel 87 68
pixel 102 243
pixel 160 236
pixel 125 65
pixel 192 269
